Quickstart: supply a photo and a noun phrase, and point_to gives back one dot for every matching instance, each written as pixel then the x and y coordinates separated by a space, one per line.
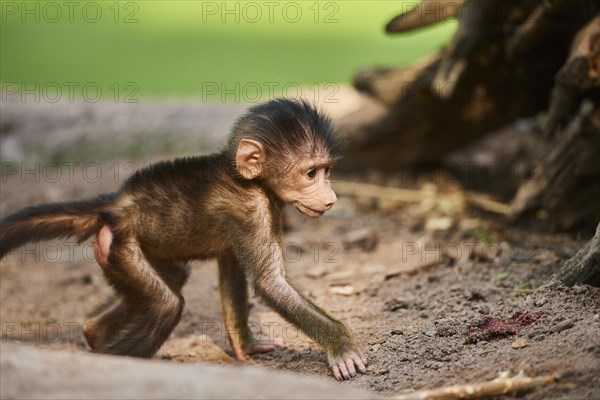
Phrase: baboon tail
pixel 50 221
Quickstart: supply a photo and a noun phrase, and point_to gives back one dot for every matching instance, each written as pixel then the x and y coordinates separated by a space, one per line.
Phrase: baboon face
pixel 306 186
pixel 300 179
pixel 289 146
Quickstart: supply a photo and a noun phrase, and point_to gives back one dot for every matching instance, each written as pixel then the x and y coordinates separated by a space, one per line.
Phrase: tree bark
pixel 508 59
pixel 567 182
pixel 584 266
pixel 499 66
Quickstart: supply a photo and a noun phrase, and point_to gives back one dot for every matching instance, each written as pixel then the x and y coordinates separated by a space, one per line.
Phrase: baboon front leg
pixel 151 300
pixel 233 290
pixel 345 358
pixel 267 275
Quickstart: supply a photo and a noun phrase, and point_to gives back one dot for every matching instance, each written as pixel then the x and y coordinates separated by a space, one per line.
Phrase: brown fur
pixel 226 206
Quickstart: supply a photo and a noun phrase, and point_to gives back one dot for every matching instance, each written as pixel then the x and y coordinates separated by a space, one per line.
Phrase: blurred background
pixel 170 49
pixel 469 190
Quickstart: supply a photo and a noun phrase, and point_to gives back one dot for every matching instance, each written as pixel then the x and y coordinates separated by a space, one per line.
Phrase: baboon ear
pixel 250 158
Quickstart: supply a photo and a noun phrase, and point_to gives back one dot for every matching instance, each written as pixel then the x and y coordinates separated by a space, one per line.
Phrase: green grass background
pixel 172 48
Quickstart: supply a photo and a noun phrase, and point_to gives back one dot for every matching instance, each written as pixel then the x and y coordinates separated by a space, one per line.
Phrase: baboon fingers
pixel 240 352
pixel 347 365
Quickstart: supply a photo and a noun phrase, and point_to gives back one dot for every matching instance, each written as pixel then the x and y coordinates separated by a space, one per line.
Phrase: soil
pixel 484 301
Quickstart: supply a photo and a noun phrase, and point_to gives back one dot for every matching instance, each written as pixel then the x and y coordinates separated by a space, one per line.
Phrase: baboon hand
pixel 345 366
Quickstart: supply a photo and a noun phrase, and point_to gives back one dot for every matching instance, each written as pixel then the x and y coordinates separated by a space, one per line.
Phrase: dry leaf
pixel 519 343
pixel 346 290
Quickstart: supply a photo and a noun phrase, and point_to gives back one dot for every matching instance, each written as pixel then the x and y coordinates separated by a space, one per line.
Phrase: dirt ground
pixel 419 329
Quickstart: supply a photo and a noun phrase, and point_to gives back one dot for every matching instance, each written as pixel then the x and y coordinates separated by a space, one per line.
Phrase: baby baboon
pixel 226 206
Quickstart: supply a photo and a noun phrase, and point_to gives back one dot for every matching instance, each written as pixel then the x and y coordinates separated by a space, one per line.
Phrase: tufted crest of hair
pixel 288 129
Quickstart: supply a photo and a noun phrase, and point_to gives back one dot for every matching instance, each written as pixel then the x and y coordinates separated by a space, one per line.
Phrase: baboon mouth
pixel 311 212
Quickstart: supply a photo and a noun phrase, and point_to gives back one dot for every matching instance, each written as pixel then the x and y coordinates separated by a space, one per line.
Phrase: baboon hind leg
pixel 150 307
pixel 104 328
pixel 99 329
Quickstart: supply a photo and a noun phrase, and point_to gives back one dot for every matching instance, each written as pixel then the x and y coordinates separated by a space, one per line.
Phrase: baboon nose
pixel 331 201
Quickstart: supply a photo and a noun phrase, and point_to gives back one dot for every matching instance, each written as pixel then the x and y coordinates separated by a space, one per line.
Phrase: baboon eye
pixel 327 170
pixel 312 173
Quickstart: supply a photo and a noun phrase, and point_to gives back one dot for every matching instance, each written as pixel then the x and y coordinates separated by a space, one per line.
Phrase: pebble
pixel 519 343
pixel 397 304
pixel 316 272
pixel 532 334
pixel 364 239
pixel 435 365
pixel 89 279
pixel 540 302
pixel 568 324
pixel 345 290
pixel 473 294
pixel 580 289
pixel 456 288
pixel 381 371
pixel 438 224
pixel 397 331
pixel 596 318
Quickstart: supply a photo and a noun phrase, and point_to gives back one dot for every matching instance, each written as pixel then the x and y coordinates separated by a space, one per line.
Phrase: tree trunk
pixel 509 59
pixel 499 66
pixel 567 182
pixel 584 266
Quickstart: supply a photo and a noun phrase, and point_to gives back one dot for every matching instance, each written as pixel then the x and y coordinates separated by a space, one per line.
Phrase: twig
pixel 487 204
pixel 504 384
pixel 412 269
pixel 356 189
pixel 379 192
